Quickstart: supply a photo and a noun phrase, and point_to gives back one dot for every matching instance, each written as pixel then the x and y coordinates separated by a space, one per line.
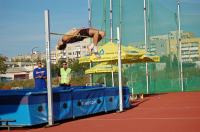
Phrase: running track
pixel 171 112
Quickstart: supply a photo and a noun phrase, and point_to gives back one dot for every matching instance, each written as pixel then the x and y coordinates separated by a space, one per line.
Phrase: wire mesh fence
pixel 179 66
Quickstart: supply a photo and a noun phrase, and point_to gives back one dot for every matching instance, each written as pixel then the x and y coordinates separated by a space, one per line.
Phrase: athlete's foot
pixel 95 49
pixel 97 54
pixel 90 48
pixel 89 51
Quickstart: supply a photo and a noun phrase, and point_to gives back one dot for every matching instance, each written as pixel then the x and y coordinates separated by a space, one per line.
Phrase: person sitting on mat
pixel 75 35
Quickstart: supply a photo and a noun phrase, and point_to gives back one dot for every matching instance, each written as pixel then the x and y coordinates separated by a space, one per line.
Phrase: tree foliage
pixel 3 67
pixel 77 68
pixel 78 73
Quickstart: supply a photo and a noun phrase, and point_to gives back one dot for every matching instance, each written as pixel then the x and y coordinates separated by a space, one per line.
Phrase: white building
pixel 168 44
pixel 16 73
pixel 73 51
pixel 19 70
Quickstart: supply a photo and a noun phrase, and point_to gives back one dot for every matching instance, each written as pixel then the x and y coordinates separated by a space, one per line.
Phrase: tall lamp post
pixel 33 49
pixel 32 52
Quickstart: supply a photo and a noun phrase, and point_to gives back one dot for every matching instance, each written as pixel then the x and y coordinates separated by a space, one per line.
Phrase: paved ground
pixel 171 112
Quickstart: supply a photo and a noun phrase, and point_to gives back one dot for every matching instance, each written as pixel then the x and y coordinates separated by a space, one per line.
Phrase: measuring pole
pixel 111 22
pixel 90 25
pixel 180 44
pixel 145 41
pixel 48 62
pixel 119 70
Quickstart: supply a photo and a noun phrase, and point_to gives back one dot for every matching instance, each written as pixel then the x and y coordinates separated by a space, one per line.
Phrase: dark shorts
pixel 84 33
pixel 67 85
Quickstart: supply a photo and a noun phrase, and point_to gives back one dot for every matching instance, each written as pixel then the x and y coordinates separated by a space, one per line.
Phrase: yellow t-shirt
pixel 65 75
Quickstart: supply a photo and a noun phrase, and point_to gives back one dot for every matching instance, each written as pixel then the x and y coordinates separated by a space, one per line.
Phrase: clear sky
pixel 22 23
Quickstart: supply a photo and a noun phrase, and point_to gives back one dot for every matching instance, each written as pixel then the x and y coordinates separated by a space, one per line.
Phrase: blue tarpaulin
pixel 88 101
pixel 29 106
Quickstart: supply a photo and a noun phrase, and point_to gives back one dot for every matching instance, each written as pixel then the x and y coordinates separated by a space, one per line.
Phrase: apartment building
pixel 73 51
pixel 168 44
pixel 190 49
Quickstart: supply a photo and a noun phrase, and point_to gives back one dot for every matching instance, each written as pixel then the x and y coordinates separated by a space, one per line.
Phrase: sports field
pixel 170 112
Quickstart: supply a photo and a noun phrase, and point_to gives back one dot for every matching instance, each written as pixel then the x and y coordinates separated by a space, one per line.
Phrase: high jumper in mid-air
pixel 75 35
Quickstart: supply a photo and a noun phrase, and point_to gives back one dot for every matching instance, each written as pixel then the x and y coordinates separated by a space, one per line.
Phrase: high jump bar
pixel 59 34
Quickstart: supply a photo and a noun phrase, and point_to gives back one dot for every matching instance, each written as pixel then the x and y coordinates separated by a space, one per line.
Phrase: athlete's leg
pixel 97 36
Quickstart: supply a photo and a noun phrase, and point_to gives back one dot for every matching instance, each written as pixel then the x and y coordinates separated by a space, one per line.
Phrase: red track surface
pixel 172 112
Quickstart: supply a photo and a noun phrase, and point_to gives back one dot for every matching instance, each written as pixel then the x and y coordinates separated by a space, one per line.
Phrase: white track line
pixel 185 107
pixel 147 118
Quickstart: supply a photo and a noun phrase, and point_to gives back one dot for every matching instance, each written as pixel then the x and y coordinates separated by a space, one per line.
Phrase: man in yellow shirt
pixel 64 75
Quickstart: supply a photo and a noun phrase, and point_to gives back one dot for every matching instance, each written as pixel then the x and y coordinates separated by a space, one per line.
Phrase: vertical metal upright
pixel 89 13
pixel 90 25
pixel 180 44
pixel 48 62
pixel 145 41
pixel 111 21
pixel 120 19
pixel 113 81
pixel 119 71
pixel 104 80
